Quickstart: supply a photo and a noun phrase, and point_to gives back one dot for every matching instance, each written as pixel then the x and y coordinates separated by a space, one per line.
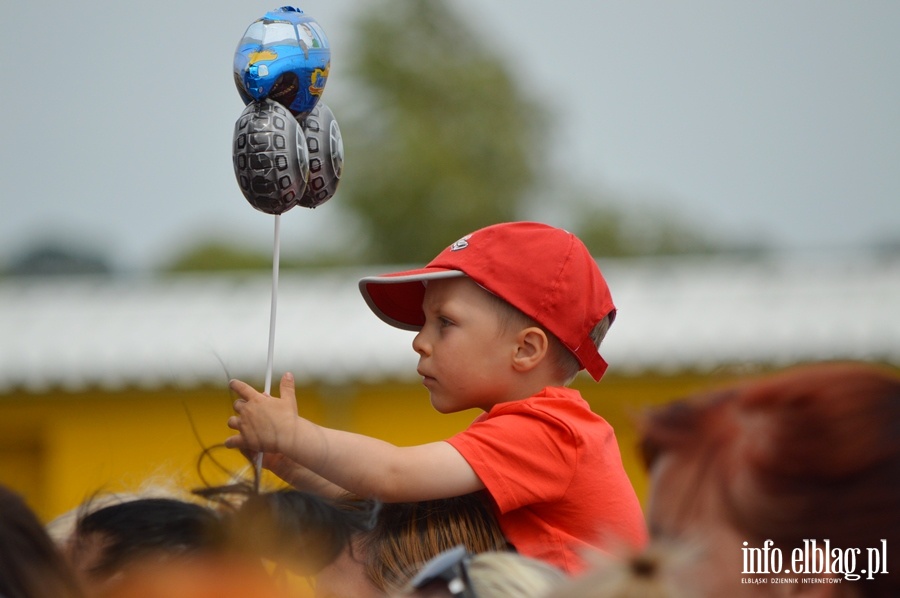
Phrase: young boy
pixel 506 317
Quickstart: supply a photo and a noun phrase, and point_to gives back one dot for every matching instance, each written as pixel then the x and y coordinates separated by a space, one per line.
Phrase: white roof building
pixel 674 314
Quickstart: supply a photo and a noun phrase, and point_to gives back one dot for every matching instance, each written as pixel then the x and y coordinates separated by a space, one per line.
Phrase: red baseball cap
pixel 545 272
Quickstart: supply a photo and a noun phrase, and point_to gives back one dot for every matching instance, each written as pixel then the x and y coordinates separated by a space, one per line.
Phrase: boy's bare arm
pixel 299 477
pixel 360 464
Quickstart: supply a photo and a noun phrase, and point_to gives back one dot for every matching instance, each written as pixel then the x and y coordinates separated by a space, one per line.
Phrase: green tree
pixel 446 143
pixel 612 231
pixel 225 256
pixel 219 256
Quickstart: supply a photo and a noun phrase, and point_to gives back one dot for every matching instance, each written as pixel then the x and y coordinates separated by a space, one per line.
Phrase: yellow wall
pixel 59 448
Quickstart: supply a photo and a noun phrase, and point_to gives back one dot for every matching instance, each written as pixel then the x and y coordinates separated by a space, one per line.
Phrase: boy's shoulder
pixel 559 403
pixel 559 420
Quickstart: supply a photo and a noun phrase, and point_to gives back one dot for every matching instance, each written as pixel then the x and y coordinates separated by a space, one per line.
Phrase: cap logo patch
pixel 461 244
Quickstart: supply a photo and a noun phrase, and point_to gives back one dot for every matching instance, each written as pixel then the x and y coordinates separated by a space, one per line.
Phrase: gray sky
pixel 772 118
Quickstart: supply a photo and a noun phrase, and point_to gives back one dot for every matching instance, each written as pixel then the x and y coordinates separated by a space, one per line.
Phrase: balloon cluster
pixel 287 148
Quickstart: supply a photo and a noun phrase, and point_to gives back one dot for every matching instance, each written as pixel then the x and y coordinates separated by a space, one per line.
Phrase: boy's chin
pixel 443 406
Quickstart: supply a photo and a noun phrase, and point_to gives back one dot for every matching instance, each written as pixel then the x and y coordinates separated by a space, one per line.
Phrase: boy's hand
pixel 264 423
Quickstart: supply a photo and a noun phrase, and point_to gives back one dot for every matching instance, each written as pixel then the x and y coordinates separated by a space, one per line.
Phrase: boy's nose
pixel 419 343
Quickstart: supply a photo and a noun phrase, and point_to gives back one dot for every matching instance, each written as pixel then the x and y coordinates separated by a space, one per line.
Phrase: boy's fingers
pixel 287 387
pixel 234 422
pixel 242 388
pixel 234 442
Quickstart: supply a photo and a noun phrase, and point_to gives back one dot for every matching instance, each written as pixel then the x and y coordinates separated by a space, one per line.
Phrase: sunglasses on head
pixel 450 567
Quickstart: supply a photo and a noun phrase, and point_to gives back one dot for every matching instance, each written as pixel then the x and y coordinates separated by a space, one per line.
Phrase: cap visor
pixel 397 298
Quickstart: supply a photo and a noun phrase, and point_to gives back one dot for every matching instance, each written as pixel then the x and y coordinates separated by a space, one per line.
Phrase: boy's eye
pixel 444 322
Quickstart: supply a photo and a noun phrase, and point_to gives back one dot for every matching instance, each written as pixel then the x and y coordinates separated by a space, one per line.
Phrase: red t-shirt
pixel 554 471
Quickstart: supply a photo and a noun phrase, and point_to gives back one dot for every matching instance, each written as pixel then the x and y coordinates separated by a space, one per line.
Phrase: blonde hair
pixel 659 571
pixel 503 574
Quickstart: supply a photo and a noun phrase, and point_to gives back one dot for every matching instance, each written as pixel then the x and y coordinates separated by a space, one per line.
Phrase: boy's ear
pixel 531 348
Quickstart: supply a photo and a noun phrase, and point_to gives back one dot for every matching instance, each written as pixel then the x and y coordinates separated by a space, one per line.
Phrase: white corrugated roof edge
pixel 193 330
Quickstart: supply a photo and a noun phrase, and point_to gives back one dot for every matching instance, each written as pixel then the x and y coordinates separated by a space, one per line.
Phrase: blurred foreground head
pixel 256 543
pixel 30 564
pixel 106 540
pixel 297 531
pixel 811 453
pixel 491 574
pixel 212 575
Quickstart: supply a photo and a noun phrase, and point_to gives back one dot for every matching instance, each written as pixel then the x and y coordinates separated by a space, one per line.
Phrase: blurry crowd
pixel 787 483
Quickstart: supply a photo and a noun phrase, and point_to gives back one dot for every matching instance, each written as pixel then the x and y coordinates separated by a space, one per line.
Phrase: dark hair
pixel 139 527
pixel 304 531
pixel 30 564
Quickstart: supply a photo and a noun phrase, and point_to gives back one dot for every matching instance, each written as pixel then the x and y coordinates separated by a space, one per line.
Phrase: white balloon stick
pixel 276 256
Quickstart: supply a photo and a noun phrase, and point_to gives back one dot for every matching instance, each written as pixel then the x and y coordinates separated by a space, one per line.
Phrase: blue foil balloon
pixel 284 56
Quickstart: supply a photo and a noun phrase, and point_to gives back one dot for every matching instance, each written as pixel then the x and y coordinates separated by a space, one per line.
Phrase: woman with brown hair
pixel 787 482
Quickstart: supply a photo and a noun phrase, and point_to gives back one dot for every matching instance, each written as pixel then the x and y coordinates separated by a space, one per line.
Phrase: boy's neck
pixel 529 386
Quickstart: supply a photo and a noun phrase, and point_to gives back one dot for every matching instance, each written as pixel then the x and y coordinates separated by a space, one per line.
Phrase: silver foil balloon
pixel 270 156
pixel 326 155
